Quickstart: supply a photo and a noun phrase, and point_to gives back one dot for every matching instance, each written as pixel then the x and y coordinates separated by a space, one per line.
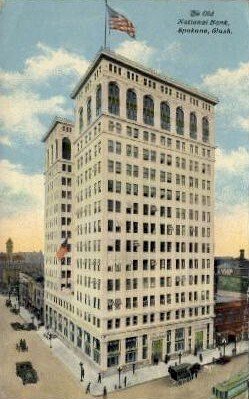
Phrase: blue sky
pixel 45 48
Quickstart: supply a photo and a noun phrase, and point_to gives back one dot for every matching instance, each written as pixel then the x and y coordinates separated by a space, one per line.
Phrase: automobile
pixel 28 326
pixel 16 326
pixel 26 372
pixel 223 360
pixel 49 334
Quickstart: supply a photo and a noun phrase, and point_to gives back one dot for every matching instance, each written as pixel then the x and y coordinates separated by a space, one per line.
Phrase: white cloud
pixel 21 105
pixel 244 123
pixel 171 51
pixel 16 183
pixel 231 86
pixel 136 50
pixel 20 112
pixel 4 140
pixel 48 63
pixel 235 161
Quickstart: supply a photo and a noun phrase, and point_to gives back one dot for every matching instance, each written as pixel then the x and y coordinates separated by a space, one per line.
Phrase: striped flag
pixel 118 21
pixel 62 250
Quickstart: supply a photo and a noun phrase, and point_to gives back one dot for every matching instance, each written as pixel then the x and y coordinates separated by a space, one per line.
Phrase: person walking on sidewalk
pixel 99 378
pixel 125 381
pixel 88 387
pixel 82 374
pixel 104 392
pixel 201 357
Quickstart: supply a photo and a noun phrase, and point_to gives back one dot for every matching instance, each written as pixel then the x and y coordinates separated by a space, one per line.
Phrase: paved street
pixel 55 380
pixel 199 388
pixel 58 381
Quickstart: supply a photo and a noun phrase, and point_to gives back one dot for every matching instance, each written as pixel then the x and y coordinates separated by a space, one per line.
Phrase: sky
pixel 45 48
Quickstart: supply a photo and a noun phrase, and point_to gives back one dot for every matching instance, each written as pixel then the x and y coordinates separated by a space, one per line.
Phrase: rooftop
pixel 55 121
pixel 164 79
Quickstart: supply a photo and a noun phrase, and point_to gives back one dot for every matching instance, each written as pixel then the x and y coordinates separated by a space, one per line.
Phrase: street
pixel 57 382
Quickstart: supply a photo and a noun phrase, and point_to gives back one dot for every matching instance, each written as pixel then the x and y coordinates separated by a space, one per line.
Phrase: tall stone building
pixel 132 185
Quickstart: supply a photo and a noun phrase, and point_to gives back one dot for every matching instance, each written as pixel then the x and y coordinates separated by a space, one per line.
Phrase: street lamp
pixel 119 376
pixel 224 342
pixel 235 345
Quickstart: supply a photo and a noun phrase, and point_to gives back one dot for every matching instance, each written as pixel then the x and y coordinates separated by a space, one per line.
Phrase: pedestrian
pixel 104 392
pixel 88 387
pixel 99 378
pixel 82 374
pixel 125 381
pixel 133 368
pixel 200 357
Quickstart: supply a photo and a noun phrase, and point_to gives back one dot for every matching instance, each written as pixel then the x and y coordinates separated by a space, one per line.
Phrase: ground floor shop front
pixel 138 347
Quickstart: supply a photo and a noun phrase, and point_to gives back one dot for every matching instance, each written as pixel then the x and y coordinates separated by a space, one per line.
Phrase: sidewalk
pixel 142 375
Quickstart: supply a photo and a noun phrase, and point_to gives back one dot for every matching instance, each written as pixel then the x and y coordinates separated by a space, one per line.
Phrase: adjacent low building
pixel 31 294
pixel 231 299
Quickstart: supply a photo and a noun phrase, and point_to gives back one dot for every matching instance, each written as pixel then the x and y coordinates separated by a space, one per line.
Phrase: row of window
pixel 148 111
pixel 161 317
pixel 146 264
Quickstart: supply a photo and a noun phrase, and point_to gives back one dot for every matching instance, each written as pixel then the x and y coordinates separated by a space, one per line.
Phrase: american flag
pixel 118 21
pixel 62 250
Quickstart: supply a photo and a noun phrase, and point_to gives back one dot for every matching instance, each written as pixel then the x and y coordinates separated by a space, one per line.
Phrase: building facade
pixel 137 282
pixel 31 294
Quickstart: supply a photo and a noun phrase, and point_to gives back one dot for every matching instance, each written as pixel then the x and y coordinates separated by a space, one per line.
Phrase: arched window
pixel 205 129
pixel 81 123
pixel 113 98
pixel 179 121
pixel 98 100
pixel 66 148
pixel 165 116
pixel 131 104
pixel 148 110
pixel 193 125
pixel 89 110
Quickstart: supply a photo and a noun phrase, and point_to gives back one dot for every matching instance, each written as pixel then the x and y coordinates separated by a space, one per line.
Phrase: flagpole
pixel 105 23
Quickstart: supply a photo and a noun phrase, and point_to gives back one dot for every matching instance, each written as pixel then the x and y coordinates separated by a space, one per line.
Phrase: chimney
pixel 242 254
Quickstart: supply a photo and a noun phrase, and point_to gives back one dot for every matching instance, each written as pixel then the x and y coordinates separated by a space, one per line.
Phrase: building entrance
pixel 199 340
pixel 157 351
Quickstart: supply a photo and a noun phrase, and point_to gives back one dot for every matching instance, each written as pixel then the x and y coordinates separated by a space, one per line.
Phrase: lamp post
pixel 224 342
pixel 119 376
pixel 235 345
